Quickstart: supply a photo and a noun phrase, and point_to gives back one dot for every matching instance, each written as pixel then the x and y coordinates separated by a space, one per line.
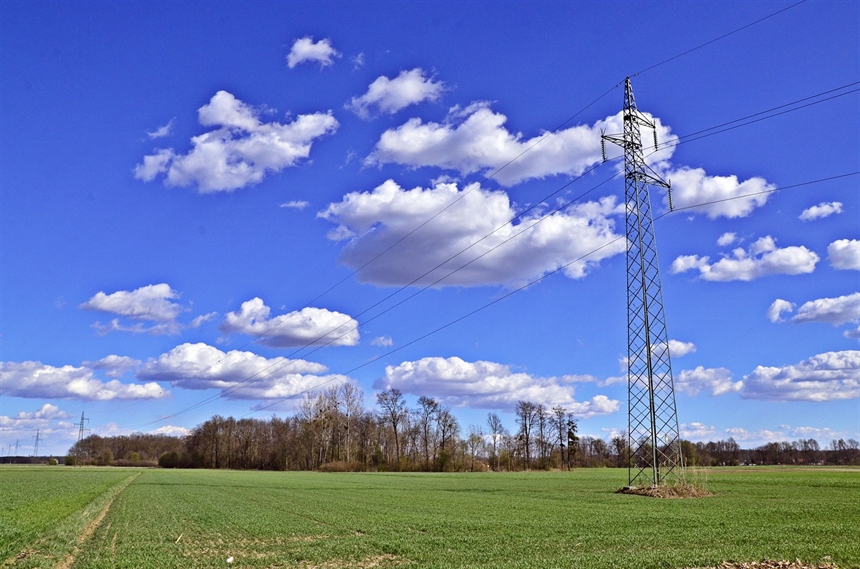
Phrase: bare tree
pixel 496 430
pixel 558 425
pixel 541 419
pixel 525 412
pixel 449 436
pixel 425 416
pixel 474 444
pixel 393 410
pixel 351 404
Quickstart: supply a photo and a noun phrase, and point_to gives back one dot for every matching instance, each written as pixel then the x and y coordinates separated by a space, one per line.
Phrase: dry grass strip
pixel 668 491
pixel 94 524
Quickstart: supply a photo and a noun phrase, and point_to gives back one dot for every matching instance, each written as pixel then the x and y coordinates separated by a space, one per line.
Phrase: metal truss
pixel 653 438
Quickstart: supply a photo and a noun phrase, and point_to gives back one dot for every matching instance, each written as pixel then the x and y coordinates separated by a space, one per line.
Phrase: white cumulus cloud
pixel 774 313
pixel 241 150
pixel 391 95
pixel 34 379
pixel 727 239
pixel 308 326
pixel 305 50
pixel 697 431
pixel 47 419
pixel 836 311
pixel 480 220
pixel 678 349
pixel 829 376
pixel 151 302
pixel 718 381
pixel 692 186
pixel 171 431
pixel 487 385
pixel 762 258
pixel 844 254
pixel 238 374
pixel 475 139
pixel 823 209
pixel 113 366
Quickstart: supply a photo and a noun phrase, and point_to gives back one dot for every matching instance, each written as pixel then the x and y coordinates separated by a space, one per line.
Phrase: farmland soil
pixel 773 565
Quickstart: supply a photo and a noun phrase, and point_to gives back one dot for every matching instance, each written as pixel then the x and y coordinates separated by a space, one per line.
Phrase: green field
pixel 198 518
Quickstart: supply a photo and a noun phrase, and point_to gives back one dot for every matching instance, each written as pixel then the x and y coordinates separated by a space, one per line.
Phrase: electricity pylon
pixel 81 431
pixel 654 443
pixel 36 446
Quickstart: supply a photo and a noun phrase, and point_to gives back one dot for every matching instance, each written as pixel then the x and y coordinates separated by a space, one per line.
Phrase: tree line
pixel 334 431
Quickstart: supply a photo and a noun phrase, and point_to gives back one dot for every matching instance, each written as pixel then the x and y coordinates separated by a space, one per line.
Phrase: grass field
pixel 168 518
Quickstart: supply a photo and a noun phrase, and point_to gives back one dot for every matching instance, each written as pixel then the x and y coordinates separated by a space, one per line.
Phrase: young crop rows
pixel 141 518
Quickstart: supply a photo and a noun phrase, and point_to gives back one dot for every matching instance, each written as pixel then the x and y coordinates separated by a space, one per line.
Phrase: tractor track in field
pixel 93 525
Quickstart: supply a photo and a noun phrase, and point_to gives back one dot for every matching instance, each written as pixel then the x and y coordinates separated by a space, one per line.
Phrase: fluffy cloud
pixel 240 152
pixel 487 385
pixel 774 313
pixel 239 375
pixel 46 412
pixel 678 349
pixel 305 327
pixel 477 230
pixel 823 209
pixel 47 419
pixel 391 95
pixel 113 366
pixel 718 381
pixel 727 239
pixel 37 380
pixel 697 431
pixel 692 186
pixel 171 431
pixel 305 50
pixel 758 437
pixel 836 311
pixel 152 302
pixel 844 254
pixel 817 433
pixel 475 139
pixel 826 377
pixel 762 258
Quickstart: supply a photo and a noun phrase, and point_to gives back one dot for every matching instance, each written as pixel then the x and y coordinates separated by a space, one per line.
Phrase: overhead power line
pixel 710 131
pixel 799 185
pixel 527 285
pixel 722 37
pixel 487 305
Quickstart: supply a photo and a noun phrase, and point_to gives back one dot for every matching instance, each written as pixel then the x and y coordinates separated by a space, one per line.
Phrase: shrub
pixel 342 466
pixel 169 459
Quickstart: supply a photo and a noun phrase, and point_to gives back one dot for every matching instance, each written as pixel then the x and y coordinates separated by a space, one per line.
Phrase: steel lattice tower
pixel 653 437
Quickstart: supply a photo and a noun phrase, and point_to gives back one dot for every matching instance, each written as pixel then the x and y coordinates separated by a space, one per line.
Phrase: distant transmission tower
pixel 81 430
pixel 36 446
pixel 652 422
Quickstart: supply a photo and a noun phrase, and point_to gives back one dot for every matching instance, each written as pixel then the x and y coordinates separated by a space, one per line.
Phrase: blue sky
pixel 188 192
